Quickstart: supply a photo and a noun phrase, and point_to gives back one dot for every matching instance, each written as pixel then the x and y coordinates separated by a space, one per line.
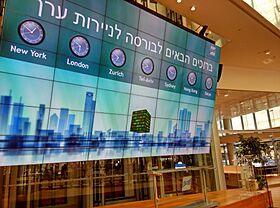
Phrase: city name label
pixel 25 52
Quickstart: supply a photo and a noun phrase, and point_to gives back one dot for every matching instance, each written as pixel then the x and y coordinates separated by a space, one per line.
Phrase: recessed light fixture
pixel 193 8
pixel 267 52
pixel 179 1
pixel 226 95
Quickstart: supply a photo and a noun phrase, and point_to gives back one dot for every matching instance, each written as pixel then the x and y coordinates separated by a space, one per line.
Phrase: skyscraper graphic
pixel 71 120
pixel 63 119
pixel 88 114
pixel 188 122
pixel 53 122
pixel 26 126
pixel 170 127
pixel 40 119
pixel 16 118
pixel 182 119
pixel 207 128
pixel 5 107
pixel 70 124
pixel 23 126
pixel 198 130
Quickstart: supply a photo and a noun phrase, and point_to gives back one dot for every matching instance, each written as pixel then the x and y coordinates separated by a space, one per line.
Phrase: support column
pixel 230 152
pixel 88 190
pixel 7 188
pixel 1 187
pixel 161 181
pixel 128 178
pixel 227 124
pixel 217 157
pixel 230 146
pixel 71 174
pixel 13 188
pixel 151 179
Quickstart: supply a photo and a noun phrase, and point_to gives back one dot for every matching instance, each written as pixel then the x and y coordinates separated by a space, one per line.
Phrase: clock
pixel 192 78
pixel 79 46
pixel 31 32
pixel 147 66
pixel 209 83
pixel 171 73
pixel 118 57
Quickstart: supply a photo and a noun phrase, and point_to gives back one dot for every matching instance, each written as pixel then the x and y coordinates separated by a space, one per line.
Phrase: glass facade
pixel 262 119
pixel 248 121
pixel 236 123
pixel 275 116
pixel 97 183
pixel 269 9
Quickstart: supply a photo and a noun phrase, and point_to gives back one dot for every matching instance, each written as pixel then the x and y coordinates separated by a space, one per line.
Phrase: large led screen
pixel 101 79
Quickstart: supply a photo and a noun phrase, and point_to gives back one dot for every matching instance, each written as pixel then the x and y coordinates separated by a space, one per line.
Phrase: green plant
pixel 261 182
pixel 252 146
pixel 256 151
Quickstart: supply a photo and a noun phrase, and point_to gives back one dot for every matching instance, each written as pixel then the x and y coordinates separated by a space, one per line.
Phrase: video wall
pixel 101 79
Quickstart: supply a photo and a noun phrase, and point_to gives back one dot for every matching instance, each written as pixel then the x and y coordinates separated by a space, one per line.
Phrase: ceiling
pixel 249 34
pixel 248 37
pixel 232 103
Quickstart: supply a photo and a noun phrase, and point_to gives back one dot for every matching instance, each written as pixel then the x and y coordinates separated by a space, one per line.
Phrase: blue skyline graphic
pixel 64 131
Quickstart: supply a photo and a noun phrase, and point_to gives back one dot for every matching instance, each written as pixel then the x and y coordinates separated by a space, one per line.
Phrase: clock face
pixel 147 66
pixel 209 83
pixel 79 46
pixel 171 73
pixel 31 32
pixel 118 57
pixel 192 78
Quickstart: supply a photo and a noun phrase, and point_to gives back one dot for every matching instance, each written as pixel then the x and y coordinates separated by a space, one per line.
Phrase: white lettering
pixel 145 79
pixel 38 55
pixel 77 64
pixel 207 94
pixel 116 73
pixel 169 85
pixel 187 89
pixel 193 91
pixel 18 50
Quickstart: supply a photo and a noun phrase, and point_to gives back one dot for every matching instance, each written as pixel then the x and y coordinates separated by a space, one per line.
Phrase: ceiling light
pixel 192 8
pixel 226 95
pixel 267 61
pixel 179 1
pixel 267 52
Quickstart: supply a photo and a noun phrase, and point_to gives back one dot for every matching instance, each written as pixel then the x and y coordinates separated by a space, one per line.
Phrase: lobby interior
pixel 249 86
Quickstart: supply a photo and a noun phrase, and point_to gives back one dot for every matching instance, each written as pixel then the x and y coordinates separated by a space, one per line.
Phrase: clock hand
pixel 117 57
pixel 33 30
pixel 77 43
pixel 28 29
pixel 146 66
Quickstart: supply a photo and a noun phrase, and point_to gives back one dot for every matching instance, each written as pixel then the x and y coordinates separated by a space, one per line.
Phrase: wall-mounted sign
pixel 74 74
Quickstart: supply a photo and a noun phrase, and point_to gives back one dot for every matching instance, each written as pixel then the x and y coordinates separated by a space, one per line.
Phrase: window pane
pixel 248 122
pixel 275 116
pixel 262 119
pixel 236 123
